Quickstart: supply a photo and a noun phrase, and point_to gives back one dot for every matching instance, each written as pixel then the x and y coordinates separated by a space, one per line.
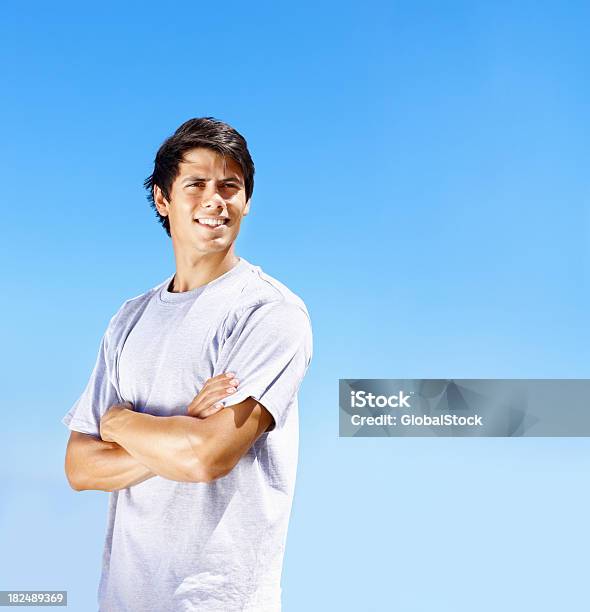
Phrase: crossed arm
pixel 136 446
pixel 207 442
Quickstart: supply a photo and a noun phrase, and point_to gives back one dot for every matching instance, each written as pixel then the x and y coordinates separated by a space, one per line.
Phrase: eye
pixel 197 184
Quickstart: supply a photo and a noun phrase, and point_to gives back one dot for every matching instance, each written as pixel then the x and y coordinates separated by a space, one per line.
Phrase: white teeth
pixel 211 221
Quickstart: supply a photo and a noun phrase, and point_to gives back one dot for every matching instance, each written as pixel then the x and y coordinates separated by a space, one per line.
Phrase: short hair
pixel 205 132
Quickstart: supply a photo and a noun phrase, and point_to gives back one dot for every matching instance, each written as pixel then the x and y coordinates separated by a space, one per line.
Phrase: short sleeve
pixel 269 349
pixel 98 396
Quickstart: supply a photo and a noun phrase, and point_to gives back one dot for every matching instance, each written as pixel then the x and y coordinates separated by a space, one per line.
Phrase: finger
pixel 224 383
pixel 217 389
pixel 206 410
pixel 207 398
pixel 212 410
pixel 215 383
pixel 220 378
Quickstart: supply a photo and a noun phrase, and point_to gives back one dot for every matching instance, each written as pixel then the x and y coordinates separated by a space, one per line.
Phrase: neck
pixel 194 274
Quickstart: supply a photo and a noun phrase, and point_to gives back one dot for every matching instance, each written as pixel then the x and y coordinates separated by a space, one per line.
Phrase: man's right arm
pixel 95 464
pixel 92 464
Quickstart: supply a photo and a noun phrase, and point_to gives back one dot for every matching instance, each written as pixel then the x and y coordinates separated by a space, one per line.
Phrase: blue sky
pixel 420 182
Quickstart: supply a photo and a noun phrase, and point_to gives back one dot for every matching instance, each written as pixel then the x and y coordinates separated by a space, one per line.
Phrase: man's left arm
pixel 184 448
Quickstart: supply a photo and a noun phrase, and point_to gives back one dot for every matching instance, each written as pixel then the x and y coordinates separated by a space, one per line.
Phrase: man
pixel 200 466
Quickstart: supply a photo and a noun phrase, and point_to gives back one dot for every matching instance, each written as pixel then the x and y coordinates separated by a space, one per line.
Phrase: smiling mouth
pixel 212 224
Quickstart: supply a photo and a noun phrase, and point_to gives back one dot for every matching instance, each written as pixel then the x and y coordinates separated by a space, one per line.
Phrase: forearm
pixel 162 444
pixel 106 466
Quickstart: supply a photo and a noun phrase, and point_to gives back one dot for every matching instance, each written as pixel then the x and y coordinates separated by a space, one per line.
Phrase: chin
pixel 212 247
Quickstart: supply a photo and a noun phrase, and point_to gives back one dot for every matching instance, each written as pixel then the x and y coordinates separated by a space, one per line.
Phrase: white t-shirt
pixel 180 546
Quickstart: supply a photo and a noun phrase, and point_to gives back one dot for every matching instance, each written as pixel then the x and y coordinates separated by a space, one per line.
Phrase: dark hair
pixel 205 132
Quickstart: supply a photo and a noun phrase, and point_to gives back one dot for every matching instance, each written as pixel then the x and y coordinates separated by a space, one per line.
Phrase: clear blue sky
pixel 421 183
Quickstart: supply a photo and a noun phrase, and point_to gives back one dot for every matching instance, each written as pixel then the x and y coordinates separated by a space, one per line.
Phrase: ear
pixel 160 201
pixel 247 207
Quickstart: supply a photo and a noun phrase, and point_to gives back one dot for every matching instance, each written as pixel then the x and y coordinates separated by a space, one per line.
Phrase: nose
pixel 214 203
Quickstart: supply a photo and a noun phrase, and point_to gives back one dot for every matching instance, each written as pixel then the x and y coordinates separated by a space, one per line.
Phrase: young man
pixel 201 466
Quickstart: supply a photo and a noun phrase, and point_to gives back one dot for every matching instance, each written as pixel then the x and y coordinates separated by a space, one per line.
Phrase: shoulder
pixel 131 307
pixel 264 293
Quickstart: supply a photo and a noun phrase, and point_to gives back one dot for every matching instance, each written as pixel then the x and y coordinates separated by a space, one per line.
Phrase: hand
pixel 216 388
pixel 108 419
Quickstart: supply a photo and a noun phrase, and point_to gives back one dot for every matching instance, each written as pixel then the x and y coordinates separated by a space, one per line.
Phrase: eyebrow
pixel 193 177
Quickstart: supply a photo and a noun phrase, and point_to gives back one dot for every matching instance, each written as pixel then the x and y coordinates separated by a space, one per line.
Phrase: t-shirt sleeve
pixel 269 349
pixel 98 396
